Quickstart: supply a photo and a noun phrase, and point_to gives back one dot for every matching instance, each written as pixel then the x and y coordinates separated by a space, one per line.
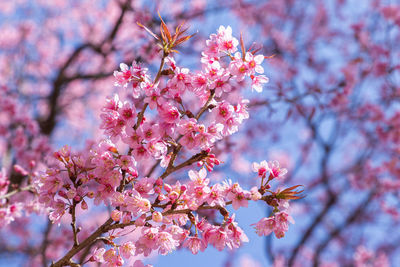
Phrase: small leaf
pixel 242 46
pixel 184 39
pixel 268 57
pixel 164 30
pixel 148 30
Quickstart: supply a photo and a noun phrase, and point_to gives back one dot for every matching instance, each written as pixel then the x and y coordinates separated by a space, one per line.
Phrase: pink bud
pixel 32 164
pixel 84 205
pixel 19 169
pixel 127 217
pixel 167 188
pixel 116 215
pixel 157 216
pixel 62 194
pixel 159 182
pixel 173 196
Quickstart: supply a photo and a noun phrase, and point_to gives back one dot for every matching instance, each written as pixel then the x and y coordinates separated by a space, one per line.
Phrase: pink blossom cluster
pixel 159 210
pixel 278 224
pixel 167 215
pixel 21 132
pixel 364 257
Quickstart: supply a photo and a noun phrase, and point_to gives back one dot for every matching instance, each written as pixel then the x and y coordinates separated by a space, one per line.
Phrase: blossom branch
pixel 10 194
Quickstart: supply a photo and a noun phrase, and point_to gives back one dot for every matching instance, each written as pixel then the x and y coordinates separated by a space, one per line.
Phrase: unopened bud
pixel 167 188
pixel 84 205
pixel 157 216
pixel 159 182
pixel 32 164
pixel 116 215
pixel 183 188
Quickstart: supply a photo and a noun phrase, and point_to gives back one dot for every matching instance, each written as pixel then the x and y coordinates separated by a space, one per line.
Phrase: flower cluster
pixel 167 215
pixel 19 131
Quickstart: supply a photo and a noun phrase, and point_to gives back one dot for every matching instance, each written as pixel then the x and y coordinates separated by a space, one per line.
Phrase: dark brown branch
pixel 64 261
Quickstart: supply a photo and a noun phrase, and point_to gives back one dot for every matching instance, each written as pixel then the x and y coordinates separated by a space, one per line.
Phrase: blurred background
pixel 330 114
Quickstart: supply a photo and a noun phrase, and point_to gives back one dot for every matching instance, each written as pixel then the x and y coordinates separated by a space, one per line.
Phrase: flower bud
pixel 167 188
pixel 116 215
pixel 183 188
pixel 32 164
pixel 84 205
pixel 157 216
pixel 159 182
pixel 126 218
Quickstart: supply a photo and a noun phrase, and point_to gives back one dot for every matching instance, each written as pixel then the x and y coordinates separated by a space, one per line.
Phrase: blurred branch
pixel 45 242
pixel 337 231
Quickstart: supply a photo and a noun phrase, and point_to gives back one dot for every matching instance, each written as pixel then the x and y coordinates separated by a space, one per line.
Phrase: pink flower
pixel 123 77
pixel 213 70
pixel 215 197
pixel 181 80
pixel 254 63
pixel 157 216
pixel 128 114
pixel 189 140
pixel 199 178
pixel 276 171
pixel 225 40
pixel 187 126
pixel 195 244
pixel 265 226
pixel 238 196
pixel 261 168
pixel 220 85
pixel 235 233
pixel 154 99
pixel 4 182
pixel 255 195
pixel 139 263
pixel 224 111
pixel 216 236
pixel 200 83
pixel 131 137
pixel 116 215
pixel 169 113
pixel 112 104
pixel 279 224
pixel 97 255
pixel 145 186
pixel 166 243
pixel 112 258
pixel 127 249
pixel 257 82
pixel 148 241
pixel 149 132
